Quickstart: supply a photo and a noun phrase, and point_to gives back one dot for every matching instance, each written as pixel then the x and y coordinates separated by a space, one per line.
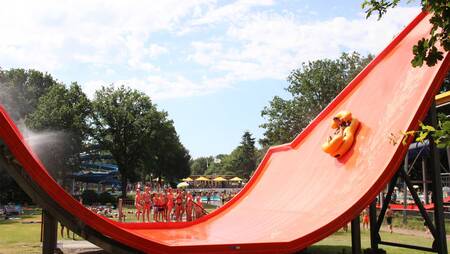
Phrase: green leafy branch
pixel 440 135
pixel 426 50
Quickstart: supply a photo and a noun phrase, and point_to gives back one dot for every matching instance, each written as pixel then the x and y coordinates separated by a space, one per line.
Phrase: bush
pixel 105 198
pixel 90 197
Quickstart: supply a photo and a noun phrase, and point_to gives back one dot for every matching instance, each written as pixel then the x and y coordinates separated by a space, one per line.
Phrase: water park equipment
pixel 344 135
pixel 273 214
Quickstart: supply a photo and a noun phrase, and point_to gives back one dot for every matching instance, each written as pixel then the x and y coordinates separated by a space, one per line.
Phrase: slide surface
pixel 299 194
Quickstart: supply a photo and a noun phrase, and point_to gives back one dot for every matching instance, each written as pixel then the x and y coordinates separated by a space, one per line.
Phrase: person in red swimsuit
pixel 138 204
pixel 189 206
pixel 160 207
pixel 365 219
pixel 178 206
pixel 199 207
pixel 170 205
pixel 155 207
pixel 163 207
pixel 147 204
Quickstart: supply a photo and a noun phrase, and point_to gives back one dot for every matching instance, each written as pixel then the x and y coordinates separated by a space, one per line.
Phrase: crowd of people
pixel 167 205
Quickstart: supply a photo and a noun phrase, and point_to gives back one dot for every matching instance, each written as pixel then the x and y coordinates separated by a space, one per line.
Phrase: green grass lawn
pixel 21 236
pixel 340 242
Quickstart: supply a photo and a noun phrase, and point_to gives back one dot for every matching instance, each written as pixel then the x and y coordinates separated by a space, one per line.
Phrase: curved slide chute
pixel 299 194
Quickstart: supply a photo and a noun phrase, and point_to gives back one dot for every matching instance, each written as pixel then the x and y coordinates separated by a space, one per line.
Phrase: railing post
pixel 120 209
pixel 356 236
pixel 50 233
pixel 373 226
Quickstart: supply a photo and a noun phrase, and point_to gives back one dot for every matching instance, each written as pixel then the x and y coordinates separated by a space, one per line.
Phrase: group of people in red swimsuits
pixel 167 205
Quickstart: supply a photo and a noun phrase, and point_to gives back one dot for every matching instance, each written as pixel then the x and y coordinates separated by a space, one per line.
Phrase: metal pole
pixel 424 178
pixel 356 236
pixel 405 190
pixel 440 243
pixel 50 233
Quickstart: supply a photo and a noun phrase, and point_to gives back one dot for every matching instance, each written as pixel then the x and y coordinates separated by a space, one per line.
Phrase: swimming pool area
pixel 212 198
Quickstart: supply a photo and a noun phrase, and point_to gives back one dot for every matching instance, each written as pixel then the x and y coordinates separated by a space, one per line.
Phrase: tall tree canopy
pixel 139 137
pixel 20 93
pixel 61 115
pixel 247 156
pixel 312 87
pixel 21 89
pixel 170 157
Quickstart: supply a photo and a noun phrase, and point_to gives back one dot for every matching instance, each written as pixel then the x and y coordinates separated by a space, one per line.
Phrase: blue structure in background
pixel 97 172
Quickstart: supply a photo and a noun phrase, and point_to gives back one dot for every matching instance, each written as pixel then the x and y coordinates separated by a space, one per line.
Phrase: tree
pixel 241 161
pixel 139 137
pixel 122 121
pixel 200 165
pixel 21 89
pixel 61 119
pixel 171 158
pixel 312 87
pixel 426 48
pixel 247 156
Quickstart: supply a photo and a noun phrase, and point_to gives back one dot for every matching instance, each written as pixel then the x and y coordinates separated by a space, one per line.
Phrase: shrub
pixel 105 198
pixel 90 197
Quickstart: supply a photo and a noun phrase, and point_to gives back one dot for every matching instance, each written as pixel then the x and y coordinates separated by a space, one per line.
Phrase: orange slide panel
pixel 299 194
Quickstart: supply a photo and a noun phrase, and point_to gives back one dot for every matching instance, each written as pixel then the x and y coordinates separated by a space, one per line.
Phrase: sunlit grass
pixel 23 236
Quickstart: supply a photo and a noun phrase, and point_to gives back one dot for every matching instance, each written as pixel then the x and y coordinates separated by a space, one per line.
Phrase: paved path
pixel 78 247
pixel 405 231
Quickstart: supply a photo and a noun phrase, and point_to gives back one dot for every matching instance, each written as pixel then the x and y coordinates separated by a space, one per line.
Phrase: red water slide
pixel 299 194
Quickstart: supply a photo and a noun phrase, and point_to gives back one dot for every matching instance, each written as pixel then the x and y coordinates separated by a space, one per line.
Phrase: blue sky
pixel 213 65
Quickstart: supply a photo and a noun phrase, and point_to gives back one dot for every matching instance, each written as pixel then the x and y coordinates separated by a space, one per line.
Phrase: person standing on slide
pixel 138 200
pixel 169 206
pixel 189 206
pixel 155 207
pixel 178 206
pixel 199 207
pixel 147 204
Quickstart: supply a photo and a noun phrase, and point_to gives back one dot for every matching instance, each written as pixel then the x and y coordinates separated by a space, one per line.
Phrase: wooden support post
pixel 120 209
pixel 356 236
pixel 374 237
pixel 50 233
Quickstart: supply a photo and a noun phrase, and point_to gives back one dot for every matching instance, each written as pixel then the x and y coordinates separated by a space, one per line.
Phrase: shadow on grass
pixel 9 221
pixel 18 219
pixel 328 249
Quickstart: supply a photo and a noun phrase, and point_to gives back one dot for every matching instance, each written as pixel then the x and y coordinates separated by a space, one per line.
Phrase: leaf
pixel 428 128
pixel 422 137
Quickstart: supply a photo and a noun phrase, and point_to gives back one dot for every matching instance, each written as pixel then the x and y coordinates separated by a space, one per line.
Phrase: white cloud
pixel 207 44
pixel 50 34
pixel 159 87
pixel 269 45
pixel 230 11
